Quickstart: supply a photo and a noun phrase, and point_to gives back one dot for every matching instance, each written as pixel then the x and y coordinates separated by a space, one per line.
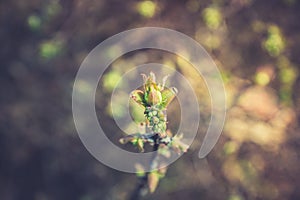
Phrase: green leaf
pixel 168 95
pixel 140 145
pixel 138 97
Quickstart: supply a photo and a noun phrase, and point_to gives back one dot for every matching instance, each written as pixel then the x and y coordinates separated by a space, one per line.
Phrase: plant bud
pixel 155 120
pixel 154 112
pixel 154 97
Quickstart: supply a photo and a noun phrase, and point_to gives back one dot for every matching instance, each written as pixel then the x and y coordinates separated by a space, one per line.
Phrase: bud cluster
pixel 156 118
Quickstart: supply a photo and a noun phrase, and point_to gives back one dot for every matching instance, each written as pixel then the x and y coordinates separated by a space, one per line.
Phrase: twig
pixel 141 188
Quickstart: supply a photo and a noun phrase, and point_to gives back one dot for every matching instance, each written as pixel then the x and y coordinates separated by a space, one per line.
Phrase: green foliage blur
pixel 255 45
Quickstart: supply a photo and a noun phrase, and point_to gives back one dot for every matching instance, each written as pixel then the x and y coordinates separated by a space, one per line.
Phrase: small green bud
pixel 155 120
pixel 161 115
pixel 154 112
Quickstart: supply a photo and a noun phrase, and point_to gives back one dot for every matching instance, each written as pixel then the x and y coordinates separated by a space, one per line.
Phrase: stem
pixel 142 186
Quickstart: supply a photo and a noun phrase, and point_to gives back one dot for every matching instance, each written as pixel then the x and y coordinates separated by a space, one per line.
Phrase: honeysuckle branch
pixel 154 98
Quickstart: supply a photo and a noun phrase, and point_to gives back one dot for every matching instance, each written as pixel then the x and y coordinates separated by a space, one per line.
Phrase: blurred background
pixel 255 44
